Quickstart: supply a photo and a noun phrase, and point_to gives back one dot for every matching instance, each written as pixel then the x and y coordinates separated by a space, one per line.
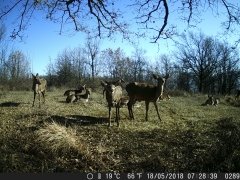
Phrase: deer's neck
pixel 159 91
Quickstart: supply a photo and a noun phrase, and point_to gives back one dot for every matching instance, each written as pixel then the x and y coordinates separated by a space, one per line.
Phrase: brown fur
pixel 75 91
pixel 84 96
pixel 71 98
pixel 113 97
pixel 116 83
pixel 39 87
pixel 145 92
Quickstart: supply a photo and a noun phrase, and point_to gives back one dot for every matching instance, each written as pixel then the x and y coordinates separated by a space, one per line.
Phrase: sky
pixel 42 41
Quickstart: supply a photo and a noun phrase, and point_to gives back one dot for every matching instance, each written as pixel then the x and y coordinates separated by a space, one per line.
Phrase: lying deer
pixel 39 87
pixel 71 98
pixel 145 92
pixel 165 96
pixel 113 97
pixel 76 97
pixel 75 91
pixel 84 96
pixel 211 101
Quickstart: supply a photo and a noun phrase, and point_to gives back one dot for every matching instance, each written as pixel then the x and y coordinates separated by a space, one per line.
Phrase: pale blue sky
pixel 42 40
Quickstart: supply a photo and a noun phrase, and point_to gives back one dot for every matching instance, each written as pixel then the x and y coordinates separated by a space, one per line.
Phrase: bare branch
pixel 164 23
pixel 10 9
pixel 231 17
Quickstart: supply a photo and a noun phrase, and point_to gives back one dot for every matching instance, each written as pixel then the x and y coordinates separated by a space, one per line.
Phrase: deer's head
pixel 160 82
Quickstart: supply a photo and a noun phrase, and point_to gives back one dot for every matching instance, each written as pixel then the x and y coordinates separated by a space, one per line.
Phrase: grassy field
pixel 61 137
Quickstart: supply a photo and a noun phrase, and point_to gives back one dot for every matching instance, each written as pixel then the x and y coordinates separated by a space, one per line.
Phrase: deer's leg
pixel 39 98
pixel 43 94
pixel 156 107
pixel 109 116
pixel 34 99
pixel 117 115
pixel 147 107
pixel 130 111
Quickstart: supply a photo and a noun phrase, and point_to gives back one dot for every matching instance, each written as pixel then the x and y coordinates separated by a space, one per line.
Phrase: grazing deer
pixel 211 101
pixel 238 94
pixel 145 92
pixel 113 97
pixel 39 87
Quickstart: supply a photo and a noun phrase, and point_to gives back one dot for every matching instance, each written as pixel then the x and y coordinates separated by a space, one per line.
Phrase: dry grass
pixel 63 137
pixel 59 139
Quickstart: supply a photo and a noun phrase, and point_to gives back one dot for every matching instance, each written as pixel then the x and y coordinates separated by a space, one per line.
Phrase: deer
pixel 84 96
pixel 113 97
pixel 145 92
pixel 165 96
pixel 76 97
pixel 39 87
pixel 115 83
pixel 211 101
pixel 75 91
pixel 71 98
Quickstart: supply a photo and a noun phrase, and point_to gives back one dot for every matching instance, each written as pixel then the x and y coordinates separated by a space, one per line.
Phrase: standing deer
pixel 115 83
pixel 39 87
pixel 113 97
pixel 145 92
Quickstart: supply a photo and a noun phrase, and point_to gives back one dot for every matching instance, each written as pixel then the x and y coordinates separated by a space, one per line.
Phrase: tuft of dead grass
pixel 57 139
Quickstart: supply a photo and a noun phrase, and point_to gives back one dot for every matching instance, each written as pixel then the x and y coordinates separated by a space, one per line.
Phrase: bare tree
pixel 228 69
pixel 211 64
pixel 92 51
pixel 197 53
pixel 139 64
pixel 17 65
pixel 105 18
pixel 3 54
pixel 117 65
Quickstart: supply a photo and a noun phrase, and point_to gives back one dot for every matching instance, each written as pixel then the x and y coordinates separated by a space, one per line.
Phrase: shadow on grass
pixel 78 120
pixel 9 104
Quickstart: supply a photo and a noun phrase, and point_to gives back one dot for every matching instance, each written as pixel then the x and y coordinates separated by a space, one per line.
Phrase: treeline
pixel 199 64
